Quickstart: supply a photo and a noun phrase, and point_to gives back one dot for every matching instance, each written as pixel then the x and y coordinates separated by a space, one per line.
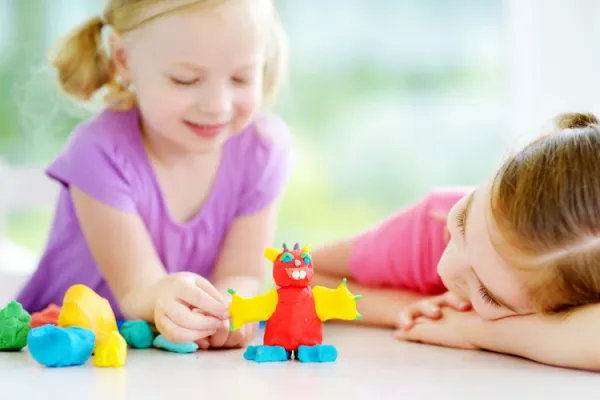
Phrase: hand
pixel 222 338
pixel 452 329
pixel 431 308
pixel 188 308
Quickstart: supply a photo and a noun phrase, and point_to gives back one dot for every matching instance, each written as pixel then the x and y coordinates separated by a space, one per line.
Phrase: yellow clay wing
pixel 246 310
pixel 336 303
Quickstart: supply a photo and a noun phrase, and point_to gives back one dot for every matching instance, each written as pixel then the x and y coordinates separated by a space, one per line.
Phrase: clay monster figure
pixel 294 312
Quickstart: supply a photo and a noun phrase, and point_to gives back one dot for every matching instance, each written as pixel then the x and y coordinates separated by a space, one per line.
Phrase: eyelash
pixel 178 82
pixel 460 221
pixel 486 297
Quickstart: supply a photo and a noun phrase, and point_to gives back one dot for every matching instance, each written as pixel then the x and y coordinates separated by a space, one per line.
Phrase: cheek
pixel 247 100
pixel 452 269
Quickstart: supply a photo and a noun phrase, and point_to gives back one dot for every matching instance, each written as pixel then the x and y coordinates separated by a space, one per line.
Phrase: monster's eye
pixel 286 257
pixel 306 257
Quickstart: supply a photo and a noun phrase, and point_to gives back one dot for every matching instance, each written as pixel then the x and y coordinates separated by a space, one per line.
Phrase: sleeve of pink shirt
pixel 403 250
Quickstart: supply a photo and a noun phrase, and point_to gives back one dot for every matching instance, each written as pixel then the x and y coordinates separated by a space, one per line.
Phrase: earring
pixel 121 82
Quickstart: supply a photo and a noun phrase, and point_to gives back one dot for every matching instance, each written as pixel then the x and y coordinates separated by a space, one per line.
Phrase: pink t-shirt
pixel 403 250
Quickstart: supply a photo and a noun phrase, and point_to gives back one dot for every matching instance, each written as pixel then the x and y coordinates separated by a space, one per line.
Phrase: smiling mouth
pixel 297 274
pixel 205 130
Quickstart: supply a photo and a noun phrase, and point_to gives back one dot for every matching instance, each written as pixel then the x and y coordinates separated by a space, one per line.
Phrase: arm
pixel 379 306
pixel 336 303
pixel 241 263
pixel 566 341
pixel 123 252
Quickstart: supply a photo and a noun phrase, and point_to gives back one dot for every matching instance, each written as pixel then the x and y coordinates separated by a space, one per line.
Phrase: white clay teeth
pixel 297 274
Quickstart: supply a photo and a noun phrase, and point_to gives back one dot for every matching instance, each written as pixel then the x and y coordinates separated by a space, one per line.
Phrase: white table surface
pixel 371 365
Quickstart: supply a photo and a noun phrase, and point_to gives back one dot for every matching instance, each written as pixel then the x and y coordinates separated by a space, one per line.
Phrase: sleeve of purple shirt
pixel 268 165
pixel 93 163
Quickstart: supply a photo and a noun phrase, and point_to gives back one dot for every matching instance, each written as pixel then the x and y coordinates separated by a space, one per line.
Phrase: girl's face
pixel 471 267
pixel 197 74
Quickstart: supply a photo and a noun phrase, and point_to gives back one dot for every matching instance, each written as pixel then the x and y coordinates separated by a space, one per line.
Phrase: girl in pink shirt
pixel 498 267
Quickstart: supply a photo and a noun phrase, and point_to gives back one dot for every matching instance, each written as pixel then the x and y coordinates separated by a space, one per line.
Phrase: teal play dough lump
pixel 15 324
pixel 57 347
pixel 137 334
pixel 162 343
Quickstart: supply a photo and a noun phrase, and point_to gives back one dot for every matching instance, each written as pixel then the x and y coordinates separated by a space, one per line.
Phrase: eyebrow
pixel 195 67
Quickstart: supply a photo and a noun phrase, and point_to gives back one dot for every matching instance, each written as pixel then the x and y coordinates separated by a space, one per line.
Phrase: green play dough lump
pixel 15 324
pixel 138 334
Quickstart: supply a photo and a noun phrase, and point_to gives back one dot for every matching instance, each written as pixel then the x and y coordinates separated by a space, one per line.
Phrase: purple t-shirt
pixel 106 159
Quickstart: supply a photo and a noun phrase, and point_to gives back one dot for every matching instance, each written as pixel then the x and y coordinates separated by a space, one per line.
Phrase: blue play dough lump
pixel 162 343
pixel 317 354
pixel 57 347
pixel 137 334
pixel 263 353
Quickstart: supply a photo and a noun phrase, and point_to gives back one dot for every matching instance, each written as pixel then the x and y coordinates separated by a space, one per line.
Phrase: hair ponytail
pixel 82 64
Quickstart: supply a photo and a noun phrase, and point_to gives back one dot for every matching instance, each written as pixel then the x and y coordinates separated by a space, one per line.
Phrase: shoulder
pixel 109 130
pixel 262 160
pixel 268 132
pixel 265 143
pixel 99 158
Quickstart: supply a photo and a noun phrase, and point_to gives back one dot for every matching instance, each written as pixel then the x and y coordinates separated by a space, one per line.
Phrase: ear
pixel 306 248
pixel 119 58
pixel 271 253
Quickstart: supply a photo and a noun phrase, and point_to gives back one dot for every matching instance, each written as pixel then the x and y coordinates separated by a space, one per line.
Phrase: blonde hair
pixel 84 66
pixel 546 205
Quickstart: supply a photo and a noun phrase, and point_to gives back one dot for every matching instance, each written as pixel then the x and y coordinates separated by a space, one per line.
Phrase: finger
pixel 219 339
pixel 210 289
pixel 430 308
pixel 452 300
pixel 248 335
pixel 425 308
pixel 177 334
pixel 200 299
pixel 237 337
pixel 406 318
pixel 203 343
pixel 186 318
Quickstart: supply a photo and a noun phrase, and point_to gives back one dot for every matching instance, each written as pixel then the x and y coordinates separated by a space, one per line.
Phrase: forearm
pixel 570 341
pixel 140 301
pixel 247 286
pixel 378 306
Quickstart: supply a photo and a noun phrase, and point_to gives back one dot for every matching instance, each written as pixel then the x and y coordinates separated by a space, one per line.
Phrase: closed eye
pixel 184 82
pixel 461 218
pixel 487 298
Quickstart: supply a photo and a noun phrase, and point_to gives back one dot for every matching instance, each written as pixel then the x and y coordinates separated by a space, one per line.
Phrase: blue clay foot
pixel 57 347
pixel 137 334
pixel 266 353
pixel 315 354
pixel 162 343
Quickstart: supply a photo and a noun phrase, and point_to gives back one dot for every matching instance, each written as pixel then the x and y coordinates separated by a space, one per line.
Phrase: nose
pixel 298 263
pixel 216 100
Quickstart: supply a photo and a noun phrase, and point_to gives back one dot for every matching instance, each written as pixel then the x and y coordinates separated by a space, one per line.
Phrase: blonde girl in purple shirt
pixel 169 195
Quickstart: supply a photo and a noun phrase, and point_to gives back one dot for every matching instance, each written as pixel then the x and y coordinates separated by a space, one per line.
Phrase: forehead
pixel 492 270
pixel 229 30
